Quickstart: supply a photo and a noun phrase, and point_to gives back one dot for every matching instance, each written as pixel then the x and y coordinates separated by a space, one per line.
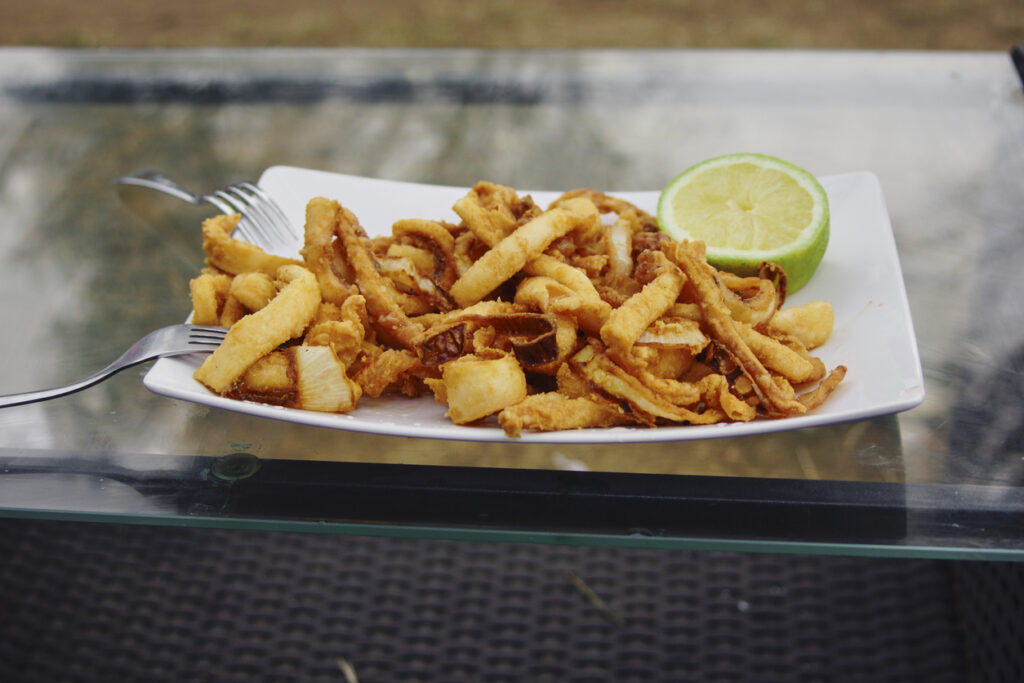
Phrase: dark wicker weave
pixel 83 602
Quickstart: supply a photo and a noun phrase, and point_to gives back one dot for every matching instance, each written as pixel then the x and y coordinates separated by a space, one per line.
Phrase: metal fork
pixel 174 340
pixel 263 222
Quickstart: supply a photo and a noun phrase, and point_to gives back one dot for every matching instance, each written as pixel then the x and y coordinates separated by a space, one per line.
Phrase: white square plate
pixel 859 275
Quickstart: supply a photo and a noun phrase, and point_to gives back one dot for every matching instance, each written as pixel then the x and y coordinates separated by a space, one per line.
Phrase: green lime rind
pixel 799 259
pixel 799 265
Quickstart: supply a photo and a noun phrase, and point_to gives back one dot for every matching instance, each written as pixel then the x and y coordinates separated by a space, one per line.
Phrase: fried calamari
pixel 581 315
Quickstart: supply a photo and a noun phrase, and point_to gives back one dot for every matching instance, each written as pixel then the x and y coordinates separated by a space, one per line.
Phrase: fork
pixel 263 222
pixel 174 340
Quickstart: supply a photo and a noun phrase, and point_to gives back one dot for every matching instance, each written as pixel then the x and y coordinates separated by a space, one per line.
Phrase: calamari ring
pixel 235 256
pixel 324 254
pixel 606 203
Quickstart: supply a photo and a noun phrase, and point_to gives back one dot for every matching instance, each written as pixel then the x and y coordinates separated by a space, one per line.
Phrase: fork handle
pixel 161 183
pixel 9 400
pixel 133 356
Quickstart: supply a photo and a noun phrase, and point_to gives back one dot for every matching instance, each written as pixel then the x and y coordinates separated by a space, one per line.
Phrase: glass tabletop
pixel 87 267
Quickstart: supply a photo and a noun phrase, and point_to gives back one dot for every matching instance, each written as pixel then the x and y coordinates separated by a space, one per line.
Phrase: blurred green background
pixel 864 24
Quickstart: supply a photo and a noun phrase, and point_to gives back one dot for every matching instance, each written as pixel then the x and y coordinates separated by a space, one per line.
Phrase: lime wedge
pixel 749 208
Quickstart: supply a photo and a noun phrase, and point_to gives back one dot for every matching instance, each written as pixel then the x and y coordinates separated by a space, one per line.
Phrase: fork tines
pixel 203 335
pixel 268 205
pixel 262 218
pixel 239 198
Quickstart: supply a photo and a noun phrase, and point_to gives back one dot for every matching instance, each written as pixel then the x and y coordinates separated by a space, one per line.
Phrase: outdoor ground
pixel 861 24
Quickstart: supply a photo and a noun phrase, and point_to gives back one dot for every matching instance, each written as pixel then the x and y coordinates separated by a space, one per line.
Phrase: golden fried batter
pixel 628 326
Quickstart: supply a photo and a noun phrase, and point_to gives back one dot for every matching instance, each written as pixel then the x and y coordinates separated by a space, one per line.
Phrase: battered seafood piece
pixel 553 411
pixel 627 323
pixel 254 336
pixel 233 256
pixel 476 387
pixel 518 248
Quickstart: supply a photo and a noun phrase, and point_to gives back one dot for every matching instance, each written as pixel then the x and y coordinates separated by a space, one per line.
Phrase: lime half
pixel 749 208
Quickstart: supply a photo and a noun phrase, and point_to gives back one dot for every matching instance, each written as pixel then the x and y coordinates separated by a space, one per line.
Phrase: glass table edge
pixel 626 542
